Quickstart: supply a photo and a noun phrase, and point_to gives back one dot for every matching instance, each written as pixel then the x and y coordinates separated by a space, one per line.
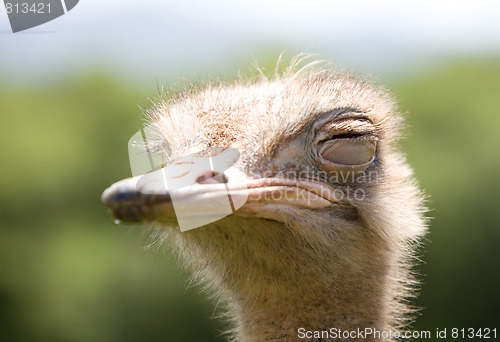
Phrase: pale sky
pixel 153 41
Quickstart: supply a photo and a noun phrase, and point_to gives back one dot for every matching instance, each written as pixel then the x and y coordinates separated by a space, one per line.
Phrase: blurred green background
pixel 68 274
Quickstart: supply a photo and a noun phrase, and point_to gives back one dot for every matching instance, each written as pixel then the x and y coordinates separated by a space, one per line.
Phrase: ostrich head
pixel 326 235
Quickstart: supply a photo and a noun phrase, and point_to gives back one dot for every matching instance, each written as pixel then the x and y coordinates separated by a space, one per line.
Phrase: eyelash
pixel 350 136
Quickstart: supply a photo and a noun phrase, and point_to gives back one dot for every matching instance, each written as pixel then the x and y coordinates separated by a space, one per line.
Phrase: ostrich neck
pixel 289 309
pixel 276 285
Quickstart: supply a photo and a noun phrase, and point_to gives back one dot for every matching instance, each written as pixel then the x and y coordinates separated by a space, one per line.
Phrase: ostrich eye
pixel 345 154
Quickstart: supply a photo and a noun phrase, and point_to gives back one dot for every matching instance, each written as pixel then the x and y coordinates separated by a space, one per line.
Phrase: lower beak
pixel 195 198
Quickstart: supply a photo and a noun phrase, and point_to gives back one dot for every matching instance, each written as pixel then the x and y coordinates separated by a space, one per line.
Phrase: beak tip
pixel 106 197
pixel 112 198
pixel 120 192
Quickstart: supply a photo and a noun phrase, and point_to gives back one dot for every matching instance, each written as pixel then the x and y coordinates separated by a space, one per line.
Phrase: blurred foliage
pixel 67 274
pixel 453 146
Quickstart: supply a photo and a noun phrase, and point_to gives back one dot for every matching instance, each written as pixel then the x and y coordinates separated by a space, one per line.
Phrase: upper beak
pixel 196 193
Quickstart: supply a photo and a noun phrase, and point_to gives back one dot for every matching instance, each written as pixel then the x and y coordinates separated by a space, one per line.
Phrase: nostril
pixel 212 177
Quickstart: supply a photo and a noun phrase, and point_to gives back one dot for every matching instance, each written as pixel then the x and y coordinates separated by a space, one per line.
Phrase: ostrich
pixel 323 246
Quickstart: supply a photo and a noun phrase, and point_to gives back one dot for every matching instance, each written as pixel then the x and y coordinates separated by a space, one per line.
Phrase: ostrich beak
pixel 195 194
pixel 193 199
